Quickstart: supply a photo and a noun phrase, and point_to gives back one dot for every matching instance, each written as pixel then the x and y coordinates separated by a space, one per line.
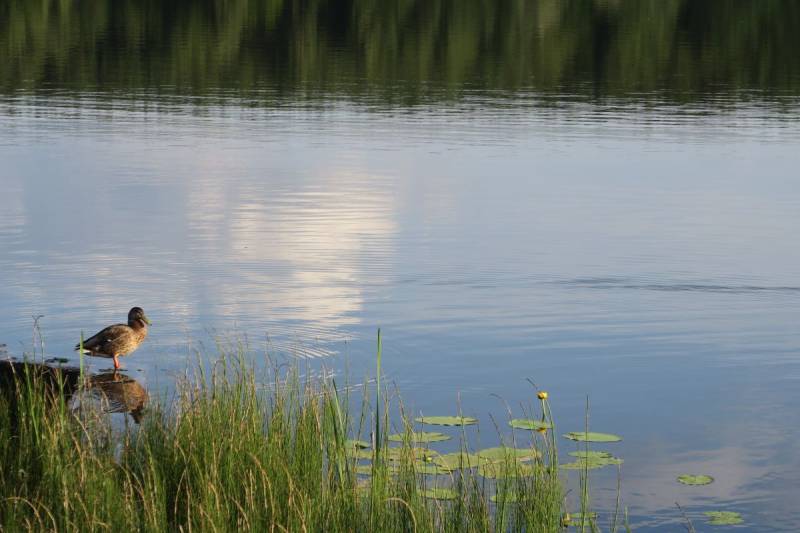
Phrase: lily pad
pixel 510 497
pixel 591 436
pixel 417 454
pixel 529 423
pixel 366 469
pixel 420 436
pixel 447 420
pixel 358 453
pixel 691 479
pixel 505 470
pixel 440 494
pixel 591 454
pixel 358 444
pixel 576 519
pixel 363 485
pixel 591 463
pixel 431 468
pixel 502 453
pixel 454 461
pixel 723 518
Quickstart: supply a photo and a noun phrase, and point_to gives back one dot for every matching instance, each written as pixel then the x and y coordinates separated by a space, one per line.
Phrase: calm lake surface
pixel 601 197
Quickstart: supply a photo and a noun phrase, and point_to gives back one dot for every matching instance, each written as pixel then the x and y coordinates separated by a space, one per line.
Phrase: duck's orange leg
pixel 116 363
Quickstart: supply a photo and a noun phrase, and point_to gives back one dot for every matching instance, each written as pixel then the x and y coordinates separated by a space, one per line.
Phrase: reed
pixel 230 453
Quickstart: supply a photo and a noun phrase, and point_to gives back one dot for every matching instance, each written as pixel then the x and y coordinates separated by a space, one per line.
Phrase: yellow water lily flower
pixel 542 395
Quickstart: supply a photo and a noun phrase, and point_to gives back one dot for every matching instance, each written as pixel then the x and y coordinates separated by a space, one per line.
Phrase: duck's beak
pixel 147 321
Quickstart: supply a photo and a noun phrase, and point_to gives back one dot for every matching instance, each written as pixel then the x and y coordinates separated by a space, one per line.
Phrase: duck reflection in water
pixel 113 391
pixel 118 393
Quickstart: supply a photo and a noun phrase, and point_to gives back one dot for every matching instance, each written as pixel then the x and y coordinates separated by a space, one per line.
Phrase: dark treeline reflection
pixel 679 49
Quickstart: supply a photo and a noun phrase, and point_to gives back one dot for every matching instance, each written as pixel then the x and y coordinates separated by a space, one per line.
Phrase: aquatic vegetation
pixel 228 454
pixel 356 444
pixel 413 453
pixel 431 468
pixel 527 423
pixel 440 494
pixel 501 453
pixel 503 470
pixel 358 453
pixel 420 436
pixel 507 497
pixel 590 454
pixel 591 436
pixel 690 479
pixel 456 460
pixel 446 420
pixel 579 519
pixel 724 518
pixel 592 462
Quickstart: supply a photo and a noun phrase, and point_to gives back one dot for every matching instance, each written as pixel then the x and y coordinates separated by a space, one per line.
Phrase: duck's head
pixel 136 318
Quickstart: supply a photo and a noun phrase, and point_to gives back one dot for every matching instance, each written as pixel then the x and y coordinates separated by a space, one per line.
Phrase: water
pixel 605 218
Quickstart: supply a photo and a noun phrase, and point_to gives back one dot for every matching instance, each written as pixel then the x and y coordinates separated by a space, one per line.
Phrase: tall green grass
pixel 231 453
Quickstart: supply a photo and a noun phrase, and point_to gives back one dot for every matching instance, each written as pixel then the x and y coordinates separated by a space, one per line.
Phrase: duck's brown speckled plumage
pixel 120 339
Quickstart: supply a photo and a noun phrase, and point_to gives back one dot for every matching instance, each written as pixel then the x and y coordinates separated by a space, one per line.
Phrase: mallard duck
pixel 119 339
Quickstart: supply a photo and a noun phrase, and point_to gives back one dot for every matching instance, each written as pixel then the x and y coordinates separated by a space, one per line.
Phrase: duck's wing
pixel 105 338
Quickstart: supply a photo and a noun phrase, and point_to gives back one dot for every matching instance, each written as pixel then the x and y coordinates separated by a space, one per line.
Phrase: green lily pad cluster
pixel 592 462
pixel 578 519
pixel 501 462
pixel 415 453
pixel 356 444
pixel 446 420
pixel 691 479
pixel 504 470
pixel 529 423
pixel 457 460
pixel 440 494
pixel 715 518
pixel 508 497
pixel 723 518
pixel 590 436
pixel 420 436
pixel 358 453
pixel 591 459
pixel 503 453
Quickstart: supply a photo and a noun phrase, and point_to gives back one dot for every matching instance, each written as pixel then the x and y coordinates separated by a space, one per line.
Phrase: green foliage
pixel 446 420
pixel 440 494
pixel 419 436
pixel 724 518
pixel 592 462
pixel 229 454
pixel 689 479
pixel 527 423
pixel 454 461
pixel 401 51
pixel 501 453
pixel 592 436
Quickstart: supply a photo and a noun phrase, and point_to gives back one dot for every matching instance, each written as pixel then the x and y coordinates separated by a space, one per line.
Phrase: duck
pixel 118 340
